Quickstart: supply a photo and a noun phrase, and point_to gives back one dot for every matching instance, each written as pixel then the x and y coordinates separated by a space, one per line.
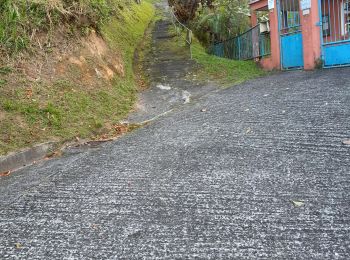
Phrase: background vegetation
pixel 213 20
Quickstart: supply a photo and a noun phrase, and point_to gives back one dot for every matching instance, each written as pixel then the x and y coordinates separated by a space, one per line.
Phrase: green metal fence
pixel 249 45
pixel 265 44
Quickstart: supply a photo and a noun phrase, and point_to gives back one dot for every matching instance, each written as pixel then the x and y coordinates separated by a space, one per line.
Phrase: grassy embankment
pixel 225 72
pixel 72 99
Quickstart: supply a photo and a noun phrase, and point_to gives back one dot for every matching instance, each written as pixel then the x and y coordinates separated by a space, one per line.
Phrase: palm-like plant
pixel 227 19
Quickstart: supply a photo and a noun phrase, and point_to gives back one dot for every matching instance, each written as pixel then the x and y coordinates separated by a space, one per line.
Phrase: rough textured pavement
pixel 200 185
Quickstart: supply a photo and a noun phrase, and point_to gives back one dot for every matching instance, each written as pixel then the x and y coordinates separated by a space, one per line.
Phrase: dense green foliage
pixel 213 20
pixel 185 10
pixel 21 20
pixel 226 19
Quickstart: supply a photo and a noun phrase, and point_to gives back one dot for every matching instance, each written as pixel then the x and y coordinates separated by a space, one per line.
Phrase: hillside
pixel 66 68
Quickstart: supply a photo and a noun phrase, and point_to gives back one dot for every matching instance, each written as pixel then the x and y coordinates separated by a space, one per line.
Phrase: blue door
pixel 290 35
pixel 336 54
pixel 292 51
pixel 335 21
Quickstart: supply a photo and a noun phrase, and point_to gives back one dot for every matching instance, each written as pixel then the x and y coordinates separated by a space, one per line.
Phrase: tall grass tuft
pixel 20 20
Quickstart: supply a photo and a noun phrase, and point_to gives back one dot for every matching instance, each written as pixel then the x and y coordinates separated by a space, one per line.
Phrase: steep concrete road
pixel 218 184
pixel 170 72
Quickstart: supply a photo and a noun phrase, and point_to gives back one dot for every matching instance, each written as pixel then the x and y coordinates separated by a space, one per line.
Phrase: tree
pixel 186 10
pixel 213 20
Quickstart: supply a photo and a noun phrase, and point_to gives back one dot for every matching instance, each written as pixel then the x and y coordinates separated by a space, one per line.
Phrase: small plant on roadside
pixel 319 64
pixel 5 70
pixel 2 82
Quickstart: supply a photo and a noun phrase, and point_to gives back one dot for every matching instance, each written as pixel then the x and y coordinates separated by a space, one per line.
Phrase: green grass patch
pixel 224 71
pixel 5 70
pixel 2 82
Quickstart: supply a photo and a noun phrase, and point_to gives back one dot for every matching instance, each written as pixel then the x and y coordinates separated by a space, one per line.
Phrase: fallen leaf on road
pixel 29 92
pixel 121 128
pixel 18 245
pixel 94 226
pixel 346 142
pixel 5 174
pixel 298 203
pixel 55 154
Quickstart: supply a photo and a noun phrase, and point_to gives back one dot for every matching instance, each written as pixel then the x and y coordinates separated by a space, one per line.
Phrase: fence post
pixel 189 37
pixel 239 47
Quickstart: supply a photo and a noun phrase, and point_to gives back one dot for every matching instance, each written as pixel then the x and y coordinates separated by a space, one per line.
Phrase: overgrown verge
pixel 223 71
pixel 74 77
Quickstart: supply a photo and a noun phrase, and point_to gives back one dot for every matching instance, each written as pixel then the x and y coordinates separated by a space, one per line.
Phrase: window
pixel 345 17
pixel 326 30
pixel 293 19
